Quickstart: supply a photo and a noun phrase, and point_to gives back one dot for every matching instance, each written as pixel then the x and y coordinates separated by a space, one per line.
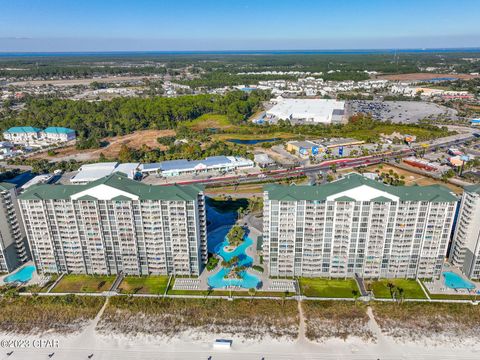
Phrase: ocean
pixel 239 52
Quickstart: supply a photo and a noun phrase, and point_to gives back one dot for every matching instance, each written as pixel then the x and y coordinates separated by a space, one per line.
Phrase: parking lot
pixel 401 111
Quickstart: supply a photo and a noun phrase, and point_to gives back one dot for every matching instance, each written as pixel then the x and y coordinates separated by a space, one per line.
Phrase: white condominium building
pixel 357 226
pixel 115 225
pixel 13 251
pixel 466 241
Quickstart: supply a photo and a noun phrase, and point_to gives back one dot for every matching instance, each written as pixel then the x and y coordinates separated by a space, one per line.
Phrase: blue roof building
pixel 58 130
pixel 23 130
pixel 55 133
pixel 178 167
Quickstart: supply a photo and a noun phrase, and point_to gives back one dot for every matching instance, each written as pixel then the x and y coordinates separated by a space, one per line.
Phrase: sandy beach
pixel 200 346
pixel 184 347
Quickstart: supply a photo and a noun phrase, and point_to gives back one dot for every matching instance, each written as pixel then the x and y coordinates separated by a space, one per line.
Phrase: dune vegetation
pixel 335 319
pixel 248 318
pixel 61 314
pixel 418 320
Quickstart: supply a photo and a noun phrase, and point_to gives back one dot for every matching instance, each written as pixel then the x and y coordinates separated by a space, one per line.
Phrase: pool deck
pixel 437 286
pixel 201 283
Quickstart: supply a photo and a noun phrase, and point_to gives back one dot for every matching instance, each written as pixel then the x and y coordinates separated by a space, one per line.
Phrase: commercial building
pixel 357 226
pixel 116 225
pixel 466 242
pixel 325 111
pixel 58 134
pixel 13 250
pixel 92 172
pixel 213 163
pixel 263 160
pixel 340 142
pixel 22 134
pixel 304 148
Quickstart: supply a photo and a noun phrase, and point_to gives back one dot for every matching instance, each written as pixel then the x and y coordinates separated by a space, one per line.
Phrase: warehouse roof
pixel 209 162
pixel 189 164
pixel 92 172
pixel 118 185
pixel 317 110
pixel 432 193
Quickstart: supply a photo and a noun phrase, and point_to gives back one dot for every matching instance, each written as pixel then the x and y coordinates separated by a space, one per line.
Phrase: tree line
pixel 96 120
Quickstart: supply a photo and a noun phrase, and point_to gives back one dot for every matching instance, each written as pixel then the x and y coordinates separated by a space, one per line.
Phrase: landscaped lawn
pixel 143 284
pixel 411 289
pixel 333 288
pixel 84 283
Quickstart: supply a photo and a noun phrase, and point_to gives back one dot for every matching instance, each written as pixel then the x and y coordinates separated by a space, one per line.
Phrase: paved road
pixel 434 145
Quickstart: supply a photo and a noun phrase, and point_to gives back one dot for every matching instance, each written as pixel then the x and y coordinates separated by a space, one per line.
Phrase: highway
pixel 378 158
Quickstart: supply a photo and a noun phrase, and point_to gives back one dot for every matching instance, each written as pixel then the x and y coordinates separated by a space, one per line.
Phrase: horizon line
pixel 245 50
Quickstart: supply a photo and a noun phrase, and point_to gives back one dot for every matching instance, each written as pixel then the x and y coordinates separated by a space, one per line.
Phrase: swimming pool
pixel 216 243
pixel 455 281
pixel 22 275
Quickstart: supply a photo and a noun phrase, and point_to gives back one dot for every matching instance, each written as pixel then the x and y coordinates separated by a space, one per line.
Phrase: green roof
pixel 6 186
pixel 344 198
pixel 22 129
pixel 87 198
pixel 381 199
pixel 434 193
pixel 473 188
pixel 118 181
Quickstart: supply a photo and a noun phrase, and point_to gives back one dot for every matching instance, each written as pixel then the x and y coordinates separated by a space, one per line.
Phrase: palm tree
pixel 391 287
pixel 252 292
pixel 355 294
pixel 400 294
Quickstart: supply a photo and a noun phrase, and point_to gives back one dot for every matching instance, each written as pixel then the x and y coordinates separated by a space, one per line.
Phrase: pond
pixel 251 141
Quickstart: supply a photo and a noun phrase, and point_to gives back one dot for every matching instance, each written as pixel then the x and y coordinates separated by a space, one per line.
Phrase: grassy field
pixel 169 317
pixel 143 285
pixel 209 121
pixel 411 289
pixel 84 283
pixel 331 288
pixel 42 314
pixel 238 134
pixel 335 319
pixel 414 320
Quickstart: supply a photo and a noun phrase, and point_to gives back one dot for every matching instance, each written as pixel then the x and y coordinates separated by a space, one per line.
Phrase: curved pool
pixel 22 275
pixel 455 281
pixel 217 241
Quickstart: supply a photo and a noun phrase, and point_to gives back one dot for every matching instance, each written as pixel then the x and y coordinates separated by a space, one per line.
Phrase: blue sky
pixel 120 25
